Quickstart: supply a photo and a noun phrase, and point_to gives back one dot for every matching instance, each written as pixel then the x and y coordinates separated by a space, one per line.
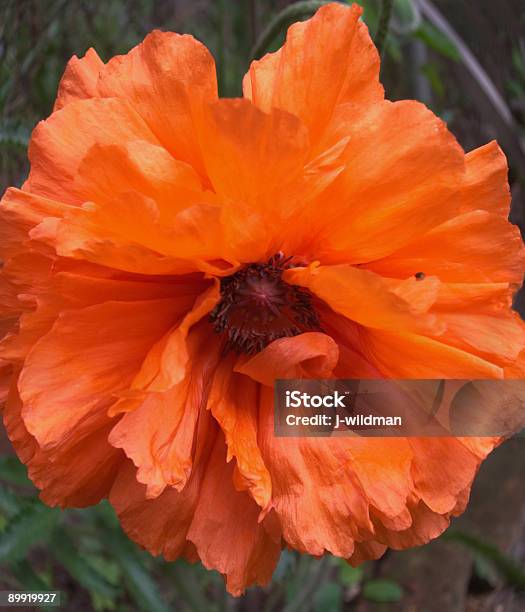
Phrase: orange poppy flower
pixel 312 228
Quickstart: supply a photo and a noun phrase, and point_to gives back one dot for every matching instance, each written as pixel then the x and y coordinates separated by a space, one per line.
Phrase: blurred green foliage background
pixel 466 60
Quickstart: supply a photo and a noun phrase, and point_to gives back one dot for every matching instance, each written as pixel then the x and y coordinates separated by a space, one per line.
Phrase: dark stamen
pixel 257 306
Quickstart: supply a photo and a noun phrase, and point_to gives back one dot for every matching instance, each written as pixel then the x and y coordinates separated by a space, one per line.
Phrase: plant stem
pixel 221 48
pixel 291 13
pixel 190 589
pixel 508 568
pixel 314 578
pixel 384 24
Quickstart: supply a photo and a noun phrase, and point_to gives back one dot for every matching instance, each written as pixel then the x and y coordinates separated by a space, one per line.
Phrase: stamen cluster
pixel 257 306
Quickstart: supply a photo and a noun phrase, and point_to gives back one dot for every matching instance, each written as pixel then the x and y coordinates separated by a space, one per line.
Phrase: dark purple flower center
pixel 257 306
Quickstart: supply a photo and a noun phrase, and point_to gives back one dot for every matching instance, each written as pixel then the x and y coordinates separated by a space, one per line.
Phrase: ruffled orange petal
pixel 425 526
pixel 383 467
pixel 485 184
pixel 59 144
pixel 403 355
pixel 79 80
pixel 78 474
pixel 233 402
pixel 168 516
pixel 476 247
pixel 226 533
pixel 139 244
pixel 309 355
pixel 166 363
pixel 20 212
pixel 139 166
pixel 517 369
pixel 402 177
pixel 499 338
pixel 352 362
pixel 366 551
pixel 317 510
pixel 180 521
pixel 166 79
pixel 254 177
pixel 325 61
pixel 158 435
pixel 316 495
pixel 72 374
pixel 443 468
pixel 477 244
pixel 78 287
pixel 479 319
pixel 367 298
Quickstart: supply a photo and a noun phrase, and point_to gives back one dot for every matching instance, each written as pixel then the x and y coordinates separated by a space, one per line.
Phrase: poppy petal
pixel 77 475
pixel 233 403
pixel 403 176
pixel 241 549
pixel 476 247
pixel 366 297
pixel 60 143
pixel 139 244
pixel 485 184
pixel 139 166
pixel 326 60
pixel 79 80
pixel 255 178
pixel 318 499
pixel 403 355
pixel 158 435
pixel 442 469
pixel 168 516
pixel 165 365
pixel 308 355
pixel 72 374
pixel 166 79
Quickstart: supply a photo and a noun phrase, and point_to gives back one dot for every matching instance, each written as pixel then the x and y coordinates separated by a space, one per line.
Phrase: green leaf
pixel 101 603
pixel 485 571
pixel 105 567
pixel 31 526
pixel 10 504
pixel 349 575
pixel 406 17
pixel 431 71
pixel 139 583
pixel 68 555
pixel 27 577
pixel 437 41
pixel 329 598
pixel 382 591
pixel 14 472
pixel 510 570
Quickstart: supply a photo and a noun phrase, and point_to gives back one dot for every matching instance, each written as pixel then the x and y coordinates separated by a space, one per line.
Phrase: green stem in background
pixel 293 12
pixel 189 587
pixel 384 24
pixel 511 570
pixel 221 48
pixel 317 573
